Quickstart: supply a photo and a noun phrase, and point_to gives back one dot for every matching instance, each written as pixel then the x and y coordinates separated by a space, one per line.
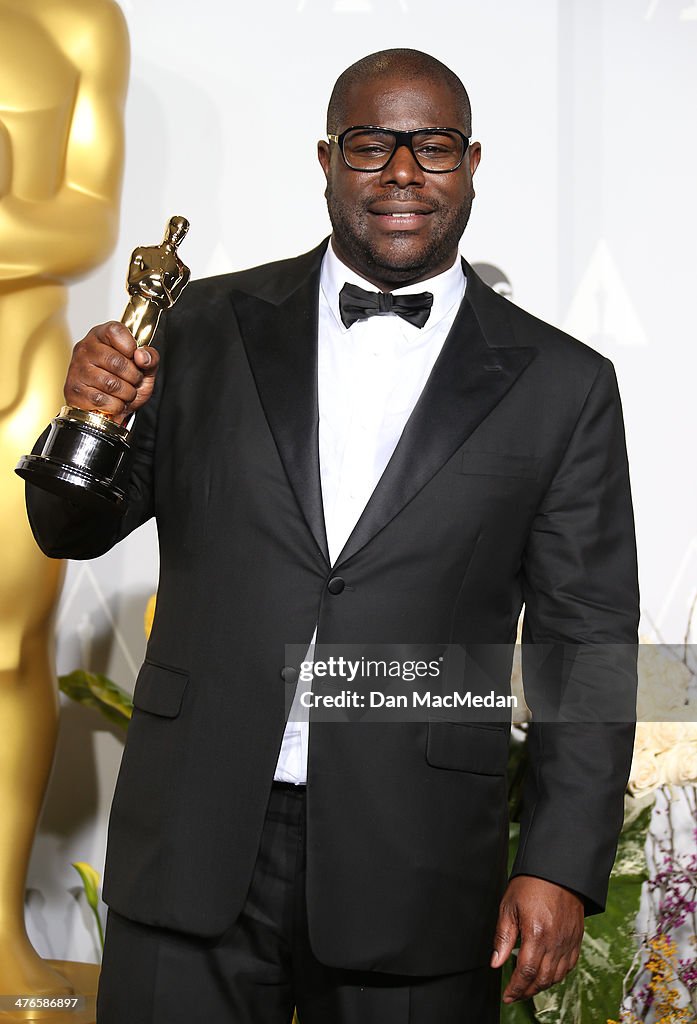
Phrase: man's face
pixel 368 235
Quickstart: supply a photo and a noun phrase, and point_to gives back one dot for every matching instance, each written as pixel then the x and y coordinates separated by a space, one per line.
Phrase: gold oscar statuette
pixel 85 450
pixel 63 80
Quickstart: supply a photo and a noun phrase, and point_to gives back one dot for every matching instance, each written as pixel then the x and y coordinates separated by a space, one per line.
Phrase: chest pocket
pixel 493 464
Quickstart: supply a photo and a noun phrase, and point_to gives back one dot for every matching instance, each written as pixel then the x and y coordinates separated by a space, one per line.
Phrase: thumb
pixel 505 936
pixel 147 360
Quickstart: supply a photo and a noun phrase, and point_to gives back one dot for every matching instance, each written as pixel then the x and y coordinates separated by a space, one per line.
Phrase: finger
pixel 526 970
pixel 543 977
pixel 116 335
pixel 89 385
pixel 557 960
pixel 574 955
pixel 547 972
pixel 560 956
pixel 103 375
pixel 521 981
pixel 93 398
pixel 563 967
pixel 115 365
pixel 505 936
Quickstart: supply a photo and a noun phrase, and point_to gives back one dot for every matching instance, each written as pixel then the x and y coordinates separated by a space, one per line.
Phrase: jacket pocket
pixel 463 747
pixel 492 464
pixel 160 690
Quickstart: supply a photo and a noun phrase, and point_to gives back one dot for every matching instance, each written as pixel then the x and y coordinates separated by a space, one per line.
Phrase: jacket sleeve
pixel 66 530
pixel 579 655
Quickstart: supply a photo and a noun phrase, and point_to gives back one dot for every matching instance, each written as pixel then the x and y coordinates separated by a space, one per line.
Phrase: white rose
pixel 665 735
pixel 679 765
pixel 644 774
pixel 643 738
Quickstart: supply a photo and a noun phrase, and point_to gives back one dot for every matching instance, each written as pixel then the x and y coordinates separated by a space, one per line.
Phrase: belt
pixel 288 787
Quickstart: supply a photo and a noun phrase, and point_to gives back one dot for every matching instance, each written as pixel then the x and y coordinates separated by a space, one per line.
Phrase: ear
pixel 324 156
pixel 474 155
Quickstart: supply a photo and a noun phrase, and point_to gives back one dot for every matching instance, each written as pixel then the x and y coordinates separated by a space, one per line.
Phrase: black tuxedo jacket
pixel 508 485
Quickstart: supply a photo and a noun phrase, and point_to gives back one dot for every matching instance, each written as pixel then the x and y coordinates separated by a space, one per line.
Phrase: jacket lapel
pixel 279 331
pixel 473 372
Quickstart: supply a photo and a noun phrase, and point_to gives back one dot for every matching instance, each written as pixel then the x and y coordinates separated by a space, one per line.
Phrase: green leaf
pixel 111 695
pixel 75 686
pixel 96 691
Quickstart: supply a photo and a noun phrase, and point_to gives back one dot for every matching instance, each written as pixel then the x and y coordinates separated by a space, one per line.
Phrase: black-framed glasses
pixel 366 147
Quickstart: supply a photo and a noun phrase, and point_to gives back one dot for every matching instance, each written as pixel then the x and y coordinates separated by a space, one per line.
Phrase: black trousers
pixel 263 967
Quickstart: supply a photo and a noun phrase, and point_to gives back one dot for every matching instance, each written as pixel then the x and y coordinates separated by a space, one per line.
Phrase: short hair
pixel 408 64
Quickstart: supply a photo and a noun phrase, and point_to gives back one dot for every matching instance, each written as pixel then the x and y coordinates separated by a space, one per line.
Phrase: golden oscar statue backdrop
pixel 63 77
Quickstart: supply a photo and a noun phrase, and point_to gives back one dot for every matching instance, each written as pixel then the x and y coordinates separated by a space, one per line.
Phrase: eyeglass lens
pixel 370 149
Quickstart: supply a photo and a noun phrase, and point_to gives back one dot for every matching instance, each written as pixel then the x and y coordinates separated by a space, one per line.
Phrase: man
pixel 368 470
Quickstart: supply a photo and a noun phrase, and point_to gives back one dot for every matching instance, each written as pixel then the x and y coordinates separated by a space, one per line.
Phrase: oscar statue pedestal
pixel 82 977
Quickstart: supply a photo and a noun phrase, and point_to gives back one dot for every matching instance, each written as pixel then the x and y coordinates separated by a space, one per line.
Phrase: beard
pixel 401 258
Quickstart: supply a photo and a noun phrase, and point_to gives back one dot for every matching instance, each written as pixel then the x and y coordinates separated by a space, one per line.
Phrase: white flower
pixel 643 739
pixel 664 735
pixel 644 775
pixel 679 765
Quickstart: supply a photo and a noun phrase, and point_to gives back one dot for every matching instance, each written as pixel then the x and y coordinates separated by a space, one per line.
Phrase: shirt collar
pixel 447 288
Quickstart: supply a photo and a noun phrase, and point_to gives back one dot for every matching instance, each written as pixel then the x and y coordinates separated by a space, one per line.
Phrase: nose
pixel 402 170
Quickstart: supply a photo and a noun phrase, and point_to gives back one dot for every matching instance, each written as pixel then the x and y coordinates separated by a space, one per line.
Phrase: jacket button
pixel 335 585
pixel 289 674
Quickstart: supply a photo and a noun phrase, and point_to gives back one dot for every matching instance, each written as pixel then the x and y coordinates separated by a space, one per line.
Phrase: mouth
pixel 400 216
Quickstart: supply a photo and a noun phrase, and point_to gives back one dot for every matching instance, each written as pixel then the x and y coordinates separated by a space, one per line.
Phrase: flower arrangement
pixel 661 984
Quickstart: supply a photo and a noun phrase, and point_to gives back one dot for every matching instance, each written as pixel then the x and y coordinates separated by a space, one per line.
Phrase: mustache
pixel 402 196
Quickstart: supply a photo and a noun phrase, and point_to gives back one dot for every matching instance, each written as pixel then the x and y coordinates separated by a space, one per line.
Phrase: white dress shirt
pixel 370 377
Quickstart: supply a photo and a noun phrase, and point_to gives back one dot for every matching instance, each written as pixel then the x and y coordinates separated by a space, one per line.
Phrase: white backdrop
pixel 585 201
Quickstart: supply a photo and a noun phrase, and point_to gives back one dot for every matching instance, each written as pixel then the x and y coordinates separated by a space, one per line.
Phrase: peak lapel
pixel 281 343
pixel 470 377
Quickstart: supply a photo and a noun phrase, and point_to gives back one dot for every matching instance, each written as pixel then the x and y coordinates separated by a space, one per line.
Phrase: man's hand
pixel 109 374
pixel 549 919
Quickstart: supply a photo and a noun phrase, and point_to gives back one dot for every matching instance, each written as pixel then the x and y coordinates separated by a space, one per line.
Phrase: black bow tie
pixel 358 304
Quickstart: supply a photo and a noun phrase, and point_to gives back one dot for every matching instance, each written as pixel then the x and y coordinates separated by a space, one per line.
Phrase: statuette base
pixel 81 459
pixel 83 980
